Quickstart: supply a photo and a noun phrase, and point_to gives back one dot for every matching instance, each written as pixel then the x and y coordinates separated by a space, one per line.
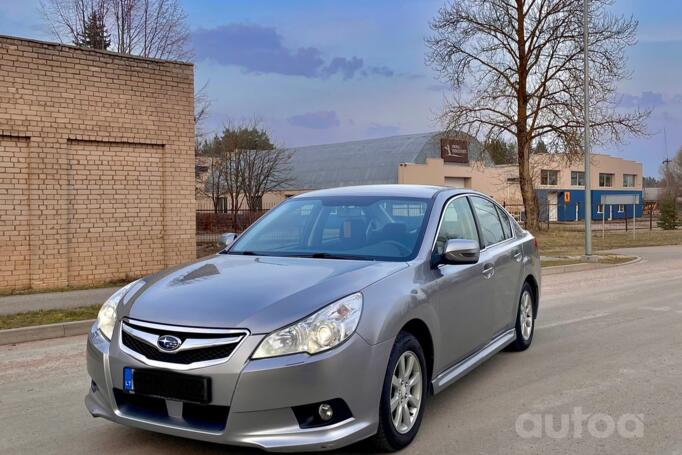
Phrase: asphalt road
pixel 607 347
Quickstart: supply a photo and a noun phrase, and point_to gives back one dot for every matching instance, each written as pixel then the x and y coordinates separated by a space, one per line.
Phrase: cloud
pixel 319 120
pixel 347 67
pixel 379 130
pixel 261 50
pixel 646 100
pixel 381 71
pixel 256 49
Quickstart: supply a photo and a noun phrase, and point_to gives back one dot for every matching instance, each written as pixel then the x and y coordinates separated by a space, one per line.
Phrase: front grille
pixel 142 340
pixel 183 358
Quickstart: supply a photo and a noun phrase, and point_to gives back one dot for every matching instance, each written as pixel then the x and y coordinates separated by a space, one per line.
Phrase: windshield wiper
pixel 243 253
pixel 337 256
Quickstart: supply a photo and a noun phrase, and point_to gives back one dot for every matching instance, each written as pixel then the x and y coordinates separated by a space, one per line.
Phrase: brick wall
pixel 96 165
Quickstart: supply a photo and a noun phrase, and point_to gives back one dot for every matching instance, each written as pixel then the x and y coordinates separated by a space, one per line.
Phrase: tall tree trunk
pixel 530 200
pixel 234 208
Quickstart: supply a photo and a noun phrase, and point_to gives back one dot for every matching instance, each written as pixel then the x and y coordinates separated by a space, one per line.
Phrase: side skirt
pixel 459 370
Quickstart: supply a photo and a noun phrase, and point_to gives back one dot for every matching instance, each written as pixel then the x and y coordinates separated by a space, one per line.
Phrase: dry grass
pixel 108 284
pixel 566 243
pixel 13 321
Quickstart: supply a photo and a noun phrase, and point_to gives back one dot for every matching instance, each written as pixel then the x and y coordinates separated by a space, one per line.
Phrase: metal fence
pixel 604 223
pixel 212 221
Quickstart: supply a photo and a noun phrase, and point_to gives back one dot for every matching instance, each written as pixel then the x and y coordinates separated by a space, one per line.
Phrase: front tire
pixel 403 395
pixel 525 319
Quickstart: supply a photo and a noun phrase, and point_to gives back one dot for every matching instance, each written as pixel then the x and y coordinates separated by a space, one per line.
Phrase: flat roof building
pixel 459 160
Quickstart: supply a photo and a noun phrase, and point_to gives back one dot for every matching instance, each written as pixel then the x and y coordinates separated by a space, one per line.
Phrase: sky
pixel 329 71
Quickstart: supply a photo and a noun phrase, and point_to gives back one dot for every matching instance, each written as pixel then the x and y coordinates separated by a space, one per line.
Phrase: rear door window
pixel 506 227
pixel 489 221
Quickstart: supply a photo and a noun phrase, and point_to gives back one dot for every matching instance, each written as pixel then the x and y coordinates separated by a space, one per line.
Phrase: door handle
pixel 517 255
pixel 488 271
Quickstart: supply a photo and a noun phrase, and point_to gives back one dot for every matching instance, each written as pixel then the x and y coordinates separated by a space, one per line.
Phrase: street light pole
pixel 586 107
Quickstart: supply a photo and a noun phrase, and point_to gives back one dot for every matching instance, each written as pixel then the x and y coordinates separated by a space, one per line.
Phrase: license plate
pixel 169 385
pixel 128 384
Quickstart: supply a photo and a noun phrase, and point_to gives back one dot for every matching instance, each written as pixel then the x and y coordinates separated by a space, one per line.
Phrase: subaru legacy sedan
pixel 329 321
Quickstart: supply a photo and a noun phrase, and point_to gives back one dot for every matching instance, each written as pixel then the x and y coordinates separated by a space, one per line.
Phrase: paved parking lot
pixel 607 350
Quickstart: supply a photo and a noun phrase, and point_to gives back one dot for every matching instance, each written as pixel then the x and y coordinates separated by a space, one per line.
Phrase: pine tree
pixel 668 220
pixel 94 34
pixel 540 147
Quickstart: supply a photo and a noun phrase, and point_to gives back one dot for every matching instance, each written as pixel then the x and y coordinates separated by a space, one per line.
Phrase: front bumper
pixel 260 394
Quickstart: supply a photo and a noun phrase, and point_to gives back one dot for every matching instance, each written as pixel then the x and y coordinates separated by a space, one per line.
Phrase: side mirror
pixel 226 239
pixel 458 251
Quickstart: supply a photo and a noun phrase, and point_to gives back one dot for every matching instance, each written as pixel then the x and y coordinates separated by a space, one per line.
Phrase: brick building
pixel 96 165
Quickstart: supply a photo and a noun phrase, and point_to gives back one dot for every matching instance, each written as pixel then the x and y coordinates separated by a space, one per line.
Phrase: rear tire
pixel 403 395
pixel 525 320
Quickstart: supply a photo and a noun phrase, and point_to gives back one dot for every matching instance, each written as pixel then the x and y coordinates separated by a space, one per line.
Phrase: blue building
pixel 569 205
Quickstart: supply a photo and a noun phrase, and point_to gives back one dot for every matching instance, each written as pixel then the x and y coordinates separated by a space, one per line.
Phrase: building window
pixel 600 208
pixel 549 177
pixel 629 180
pixel 605 180
pixel 621 208
pixel 577 178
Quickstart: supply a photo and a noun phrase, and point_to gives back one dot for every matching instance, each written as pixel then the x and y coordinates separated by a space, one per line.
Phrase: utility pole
pixel 586 107
pixel 666 171
pixel 666 162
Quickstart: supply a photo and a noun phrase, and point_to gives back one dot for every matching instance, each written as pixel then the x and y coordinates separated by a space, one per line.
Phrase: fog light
pixel 326 412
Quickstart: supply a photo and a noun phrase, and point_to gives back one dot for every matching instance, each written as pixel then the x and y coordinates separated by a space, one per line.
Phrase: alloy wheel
pixel 526 315
pixel 406 392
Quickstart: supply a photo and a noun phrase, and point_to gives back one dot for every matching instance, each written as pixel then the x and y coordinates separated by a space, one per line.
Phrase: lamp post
pixel 586 107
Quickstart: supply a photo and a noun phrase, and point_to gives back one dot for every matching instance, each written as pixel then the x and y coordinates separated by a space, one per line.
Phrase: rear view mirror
pixel 226 239
pixel 459 251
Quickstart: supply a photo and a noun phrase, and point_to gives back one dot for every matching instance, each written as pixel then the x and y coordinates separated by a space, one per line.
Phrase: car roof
pixel 397 190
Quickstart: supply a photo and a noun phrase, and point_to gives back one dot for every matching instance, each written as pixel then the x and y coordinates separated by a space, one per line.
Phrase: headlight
pixel 323 330
pixel 106 318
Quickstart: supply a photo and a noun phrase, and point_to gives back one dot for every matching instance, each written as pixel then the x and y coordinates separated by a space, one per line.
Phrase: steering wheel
pixel 402 248
pixel 371 227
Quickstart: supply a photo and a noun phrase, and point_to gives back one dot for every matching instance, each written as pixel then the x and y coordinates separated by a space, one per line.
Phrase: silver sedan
pixel 327 322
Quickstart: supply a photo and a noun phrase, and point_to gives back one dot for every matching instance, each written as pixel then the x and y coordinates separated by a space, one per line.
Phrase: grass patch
pixel 566 243
pixel 108 284
pixel 33 318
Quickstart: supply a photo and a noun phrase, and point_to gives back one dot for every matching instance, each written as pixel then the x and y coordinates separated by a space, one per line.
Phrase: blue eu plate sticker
pixel 128 385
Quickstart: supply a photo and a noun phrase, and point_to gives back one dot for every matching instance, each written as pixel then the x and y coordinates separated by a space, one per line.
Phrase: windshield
pixel 362 227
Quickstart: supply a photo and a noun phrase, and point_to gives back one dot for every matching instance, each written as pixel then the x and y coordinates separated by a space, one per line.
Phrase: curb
pixel 557 269
pixel 45 332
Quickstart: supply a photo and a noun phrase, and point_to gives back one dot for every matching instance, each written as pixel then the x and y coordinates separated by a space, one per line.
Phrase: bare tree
pixel 68 19
pixel 202 103
pixel 244 166
pixel 215 185
pixel 264 171
pixel 257 166
pixel 516 68
pixel 147 28
pixel 151 28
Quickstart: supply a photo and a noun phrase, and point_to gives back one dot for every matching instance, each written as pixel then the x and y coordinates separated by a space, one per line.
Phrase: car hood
pixel 257 293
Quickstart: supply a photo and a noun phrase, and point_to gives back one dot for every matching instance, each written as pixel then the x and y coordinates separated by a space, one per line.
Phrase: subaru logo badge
pixel 168 343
